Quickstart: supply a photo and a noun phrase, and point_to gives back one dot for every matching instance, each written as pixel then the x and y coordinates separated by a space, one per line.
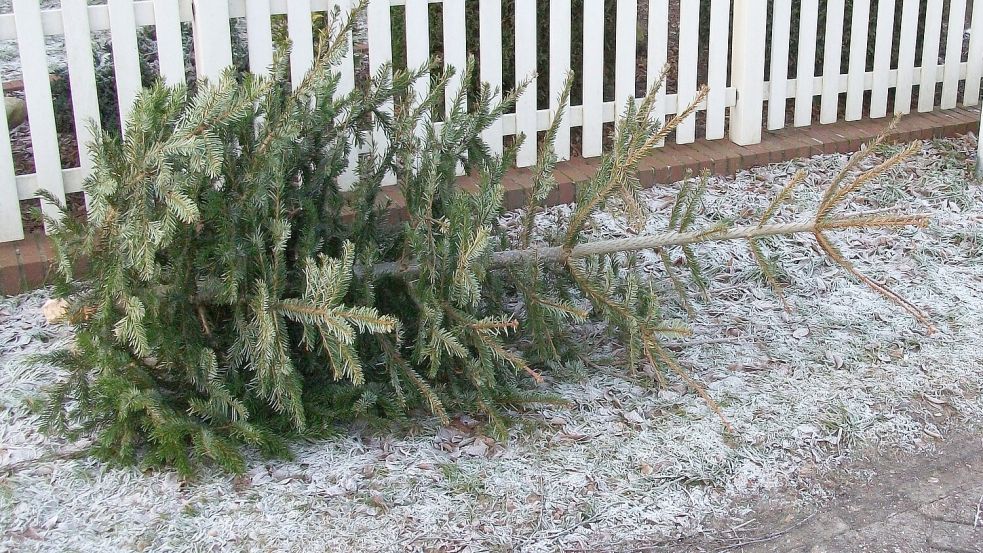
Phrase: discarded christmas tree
pixel 226 302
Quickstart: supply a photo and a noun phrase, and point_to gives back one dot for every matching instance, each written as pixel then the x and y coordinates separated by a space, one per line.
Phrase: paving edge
pixel 25 264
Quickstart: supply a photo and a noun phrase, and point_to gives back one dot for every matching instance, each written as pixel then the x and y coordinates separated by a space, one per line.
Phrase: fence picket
pixel 560 25
pixel 526 117
pixel 624 57
pixel 858 60
pixel 930 56
pixel 593 79
pixel 490 69
pixel 170 47
pixel 658 46
pixel 806 62
pixel 906 56
pixel 418 44
pixel 455 47
pixel 830 100
pixel 259 29
pixel 418 49
pixel 974 70
pixel 750 16
pixel 953 53
pixel 37 93
pixel 126 56
pixel 81 77
pixel 213 37
pixel 346 83
pixel 301 33
pixel 719 46
pixel 686 69
pixel 11 226
pixel 380 54
pixel 778 74
pixel 883 43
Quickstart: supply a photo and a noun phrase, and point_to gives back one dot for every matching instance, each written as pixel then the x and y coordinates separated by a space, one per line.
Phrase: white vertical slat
pixel 750 20
pixel 906 56
pixel 11 226
pixel 625 62
pixel 346 66
pixel 979 148
pixel 525 66
pixel 260 37
pixel 418 53
pixel 301 32
pixel 126 56
pixel 81 77
pixel 418 46
pixel 593 77
pixel 37 92
pixel 455 47
pixel 559 69
pixel 953 53
pixel 781 24
pixel 346 83
pixel 883 43
pixel 930 56
pixel 213 38
pixel 658 46
pixel 417 16
pixel 490 70
pixel 858 60
pixel 829 103
pixel 686 69
pixel 455 55
pixel 719 45
pixel 170 48
pixel 974 70
pixel 806 62
pixel 380 53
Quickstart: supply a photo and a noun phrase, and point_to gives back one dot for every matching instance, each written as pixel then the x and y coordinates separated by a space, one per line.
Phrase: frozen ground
pixel 625 463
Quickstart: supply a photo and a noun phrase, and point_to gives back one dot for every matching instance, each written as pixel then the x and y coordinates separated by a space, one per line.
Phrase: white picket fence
pixel 746 95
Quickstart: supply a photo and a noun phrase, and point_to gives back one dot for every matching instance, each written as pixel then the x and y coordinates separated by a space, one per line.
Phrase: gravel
pixel 625 462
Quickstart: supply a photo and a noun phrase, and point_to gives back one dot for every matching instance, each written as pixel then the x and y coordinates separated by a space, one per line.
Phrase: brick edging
pixel 722 157
pixel 24 264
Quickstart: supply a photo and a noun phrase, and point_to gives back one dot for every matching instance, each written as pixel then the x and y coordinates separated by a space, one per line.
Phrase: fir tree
pixel 226 302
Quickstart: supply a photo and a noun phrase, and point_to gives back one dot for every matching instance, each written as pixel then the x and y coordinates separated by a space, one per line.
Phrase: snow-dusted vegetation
pixel 624 460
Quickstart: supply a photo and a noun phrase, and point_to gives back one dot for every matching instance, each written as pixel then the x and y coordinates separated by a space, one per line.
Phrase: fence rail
pixel 768 65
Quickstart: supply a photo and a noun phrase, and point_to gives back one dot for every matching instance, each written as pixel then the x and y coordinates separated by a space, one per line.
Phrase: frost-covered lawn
pixel 625 461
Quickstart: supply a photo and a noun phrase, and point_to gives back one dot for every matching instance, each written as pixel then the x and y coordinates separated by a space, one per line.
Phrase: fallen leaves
pixel 457 443
pixel 54 310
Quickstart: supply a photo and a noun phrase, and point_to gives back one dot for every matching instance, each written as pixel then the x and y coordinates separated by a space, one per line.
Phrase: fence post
pixel 213 37
pixel 979 150
pixel 748 66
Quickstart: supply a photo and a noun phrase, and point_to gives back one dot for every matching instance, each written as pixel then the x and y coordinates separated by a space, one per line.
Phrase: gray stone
pixel 16 112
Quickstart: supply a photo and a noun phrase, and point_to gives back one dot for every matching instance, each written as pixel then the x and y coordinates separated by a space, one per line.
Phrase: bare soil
pixel 884 500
